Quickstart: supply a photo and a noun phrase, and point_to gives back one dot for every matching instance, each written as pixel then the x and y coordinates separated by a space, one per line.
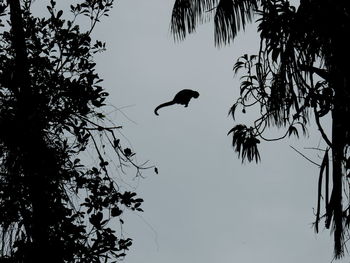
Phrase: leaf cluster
pixel 300 71
pixel 47 122
pixel 229 17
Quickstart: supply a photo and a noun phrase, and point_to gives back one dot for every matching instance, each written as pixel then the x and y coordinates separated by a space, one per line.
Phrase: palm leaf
pixel 182 19
pixel 187 14
pixel 229 17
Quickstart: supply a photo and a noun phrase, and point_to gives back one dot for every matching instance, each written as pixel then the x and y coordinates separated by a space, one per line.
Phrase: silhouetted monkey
pixel 182 97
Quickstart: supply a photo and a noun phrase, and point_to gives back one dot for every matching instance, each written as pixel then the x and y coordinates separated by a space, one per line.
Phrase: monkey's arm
pixel 169 103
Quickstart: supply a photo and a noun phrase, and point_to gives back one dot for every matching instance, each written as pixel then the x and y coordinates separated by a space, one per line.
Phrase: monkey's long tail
pixel 169 103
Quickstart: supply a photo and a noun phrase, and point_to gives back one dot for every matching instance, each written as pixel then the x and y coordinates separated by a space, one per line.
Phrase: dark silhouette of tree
pixel 301 72
pixel 53 208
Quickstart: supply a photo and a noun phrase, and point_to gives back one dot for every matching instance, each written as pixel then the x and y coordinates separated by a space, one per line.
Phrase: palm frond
pixel 230 17
pixel 182 19
pixel 187 14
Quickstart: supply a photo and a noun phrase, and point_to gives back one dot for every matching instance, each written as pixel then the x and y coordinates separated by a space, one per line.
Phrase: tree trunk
pixel 29 141
pixel 338 143
pixel 340 80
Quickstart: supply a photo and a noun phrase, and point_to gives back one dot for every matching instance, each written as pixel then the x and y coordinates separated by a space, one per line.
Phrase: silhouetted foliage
pixel 301 72
pixel 53 208
pixel 229 17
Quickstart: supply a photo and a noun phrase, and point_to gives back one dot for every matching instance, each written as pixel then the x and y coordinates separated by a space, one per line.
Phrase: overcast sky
pixel 204 206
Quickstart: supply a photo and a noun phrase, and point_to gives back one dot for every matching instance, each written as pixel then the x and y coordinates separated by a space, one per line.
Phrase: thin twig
pixel 305 156
pixel 314 148
pixel 211 9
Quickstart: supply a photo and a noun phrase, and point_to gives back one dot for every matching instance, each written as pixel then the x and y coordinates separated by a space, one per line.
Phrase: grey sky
pixel 204 206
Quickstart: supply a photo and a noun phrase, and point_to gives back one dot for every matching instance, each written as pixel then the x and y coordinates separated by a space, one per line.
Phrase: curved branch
pixel 324 135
